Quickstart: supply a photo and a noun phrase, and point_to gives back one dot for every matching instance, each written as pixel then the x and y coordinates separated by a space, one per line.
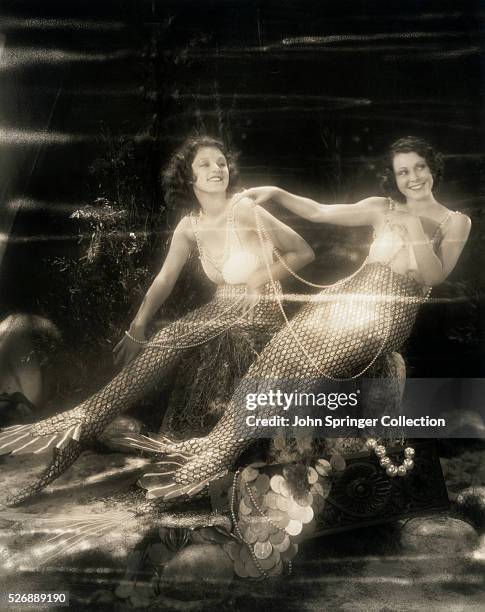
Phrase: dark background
pixel 96 95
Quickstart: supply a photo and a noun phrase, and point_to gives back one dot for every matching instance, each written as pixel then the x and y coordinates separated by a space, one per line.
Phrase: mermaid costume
pixel 338 334
pixel 72 431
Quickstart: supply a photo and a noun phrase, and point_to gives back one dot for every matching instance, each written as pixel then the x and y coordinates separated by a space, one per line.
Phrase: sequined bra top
pixel 236 264
pixel 391 241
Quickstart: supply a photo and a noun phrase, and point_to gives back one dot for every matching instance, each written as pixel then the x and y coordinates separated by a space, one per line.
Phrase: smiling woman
pixel 200 175
pixel 342 331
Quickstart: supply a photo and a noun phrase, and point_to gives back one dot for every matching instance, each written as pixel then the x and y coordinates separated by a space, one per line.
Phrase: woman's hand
pixel 258 195
pixel 127 350
pixel 251 299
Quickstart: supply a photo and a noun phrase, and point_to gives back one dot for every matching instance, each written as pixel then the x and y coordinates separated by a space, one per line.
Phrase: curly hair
pixel 177 178
pixel 409 144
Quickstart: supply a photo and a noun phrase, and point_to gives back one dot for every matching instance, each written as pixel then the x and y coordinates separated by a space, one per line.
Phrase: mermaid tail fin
pixel 68 533
pixel 63 459
pixel 151 445
pixel 163 483
pixel 37 437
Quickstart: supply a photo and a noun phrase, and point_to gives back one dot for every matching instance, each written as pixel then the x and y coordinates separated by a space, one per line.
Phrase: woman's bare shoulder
pixel 376 207
pixel 185 229
pixel 244 211
pixel 459 224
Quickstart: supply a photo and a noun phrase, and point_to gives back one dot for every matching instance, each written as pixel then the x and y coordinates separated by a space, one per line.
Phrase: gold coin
pixel 244 554
pixel 285 489
pixel 294 527
pixel 278 537
pixel 277 570
pixel 247 499
pixel 322 487
pixel 249 474
pixel 263 550
pixel 323 467
pixel 278 518
pixel 243 508
pixel 305 500
pixel 270 499
pixel 250 535
pixel 312 475
pixel 240 569
pixel 261 484
pixel 272 528
pixel 295 511
pixel 263 532
pixel 271 561
pixel 284 545
pixel 308 515
pixel 316 489
pixel 252 569
pixel 290 553
pixel 275 483
pixel 232 549
pixel 282 503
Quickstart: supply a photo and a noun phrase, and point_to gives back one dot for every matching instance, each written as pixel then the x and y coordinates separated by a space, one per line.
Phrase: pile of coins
pixel 270 521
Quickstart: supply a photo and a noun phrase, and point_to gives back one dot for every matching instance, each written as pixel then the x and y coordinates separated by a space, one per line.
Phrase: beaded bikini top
pixel 390 241
pixel 235 265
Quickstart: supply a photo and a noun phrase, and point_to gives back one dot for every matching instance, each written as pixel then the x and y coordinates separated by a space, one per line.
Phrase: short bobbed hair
pixel 409 144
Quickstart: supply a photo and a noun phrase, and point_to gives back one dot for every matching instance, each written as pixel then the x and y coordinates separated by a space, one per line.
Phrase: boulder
pixel 200 563
pixel 438 534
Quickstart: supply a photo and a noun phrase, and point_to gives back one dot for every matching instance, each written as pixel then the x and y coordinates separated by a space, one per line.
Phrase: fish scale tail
pixel 62 460
pixel 337 335
pixel 88 420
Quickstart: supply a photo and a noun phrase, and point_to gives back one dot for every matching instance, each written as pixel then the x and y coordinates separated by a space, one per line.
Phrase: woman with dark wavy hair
pixel 201 176
pixel 343 329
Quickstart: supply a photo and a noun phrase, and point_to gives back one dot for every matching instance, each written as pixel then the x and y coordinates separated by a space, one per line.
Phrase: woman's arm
pixel 159 291
pixel 295 251
pixel 365 212
pixel 434 268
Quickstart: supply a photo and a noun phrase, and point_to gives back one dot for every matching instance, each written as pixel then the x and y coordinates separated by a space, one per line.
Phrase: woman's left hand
pixel 251 299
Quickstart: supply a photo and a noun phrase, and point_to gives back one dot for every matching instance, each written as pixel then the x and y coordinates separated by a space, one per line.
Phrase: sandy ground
pixel 434 563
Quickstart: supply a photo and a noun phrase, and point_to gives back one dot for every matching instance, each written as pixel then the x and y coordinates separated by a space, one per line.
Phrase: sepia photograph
pixel 242 262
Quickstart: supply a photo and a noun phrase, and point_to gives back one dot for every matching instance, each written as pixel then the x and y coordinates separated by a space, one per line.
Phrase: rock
pixel 200 563
pixel 471 504
pixel 159 554
pixel 121 426
pixel 438 534
pixel 464 423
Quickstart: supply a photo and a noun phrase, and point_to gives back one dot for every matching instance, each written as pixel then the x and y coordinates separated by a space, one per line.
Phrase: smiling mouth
pixel 216 179
pixel 416 187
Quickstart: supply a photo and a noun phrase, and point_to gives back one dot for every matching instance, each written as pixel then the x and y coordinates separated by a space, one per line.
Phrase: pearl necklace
pixel 262 571
pixel 385 462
